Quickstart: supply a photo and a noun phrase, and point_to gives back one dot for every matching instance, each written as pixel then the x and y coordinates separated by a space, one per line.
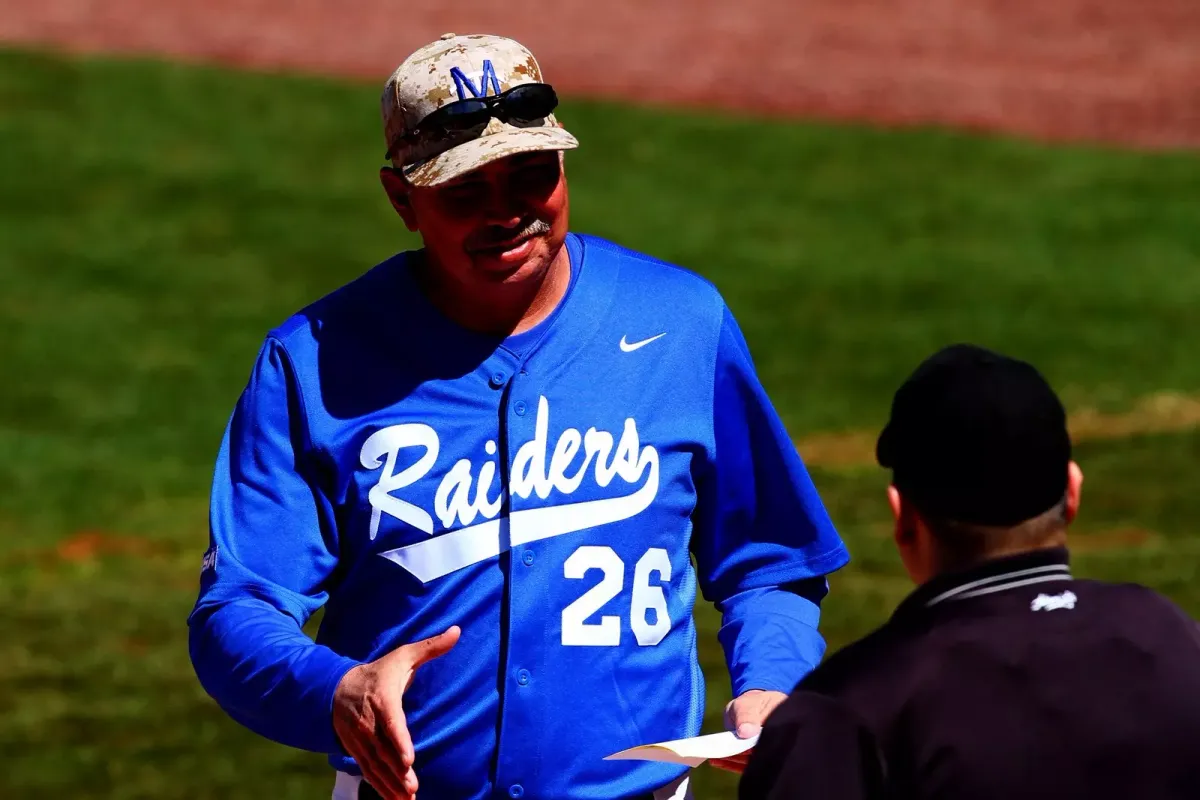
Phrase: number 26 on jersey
pixel 647 597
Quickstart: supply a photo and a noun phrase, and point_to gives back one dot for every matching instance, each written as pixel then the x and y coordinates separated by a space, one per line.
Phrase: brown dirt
pixel 1113 70
pixel 1156 413
pixel 1104 541
pixel 88 545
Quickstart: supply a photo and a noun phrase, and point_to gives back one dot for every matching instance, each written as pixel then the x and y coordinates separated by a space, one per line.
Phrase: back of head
pixel 978 445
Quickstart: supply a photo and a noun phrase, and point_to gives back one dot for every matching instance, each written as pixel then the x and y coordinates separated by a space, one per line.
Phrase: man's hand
pixel 745 715
pixel 369 719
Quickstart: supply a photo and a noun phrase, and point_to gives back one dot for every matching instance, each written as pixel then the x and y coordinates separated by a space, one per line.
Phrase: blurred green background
pixel 157 219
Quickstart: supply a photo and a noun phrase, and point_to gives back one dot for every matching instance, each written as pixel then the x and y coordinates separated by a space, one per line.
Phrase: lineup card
pixel 692 752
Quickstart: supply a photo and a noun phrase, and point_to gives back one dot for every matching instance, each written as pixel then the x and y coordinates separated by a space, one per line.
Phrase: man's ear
pixel 1074 490
pixel 901 517
pixel 397 190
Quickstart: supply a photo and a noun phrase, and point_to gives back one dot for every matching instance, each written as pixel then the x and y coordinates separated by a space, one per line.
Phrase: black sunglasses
pixel 525 103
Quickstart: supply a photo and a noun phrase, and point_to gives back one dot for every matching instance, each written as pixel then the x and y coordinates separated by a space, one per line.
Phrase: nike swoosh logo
pixel 629 348
pixel 450 552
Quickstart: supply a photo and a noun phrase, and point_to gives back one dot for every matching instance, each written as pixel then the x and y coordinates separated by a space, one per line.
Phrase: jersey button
pixel 516 790
pixel 519 407
pixel 497 380
pixel 523 677
pixel 528 558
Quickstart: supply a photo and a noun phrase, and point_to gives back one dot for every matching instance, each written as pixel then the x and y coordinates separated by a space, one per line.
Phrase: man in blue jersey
pixel 491 461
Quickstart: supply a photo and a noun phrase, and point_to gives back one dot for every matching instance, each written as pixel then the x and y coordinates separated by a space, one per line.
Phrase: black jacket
pixel 1011 680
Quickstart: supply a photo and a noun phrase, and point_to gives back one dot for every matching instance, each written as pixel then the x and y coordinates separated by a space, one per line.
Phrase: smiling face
pixel 502 224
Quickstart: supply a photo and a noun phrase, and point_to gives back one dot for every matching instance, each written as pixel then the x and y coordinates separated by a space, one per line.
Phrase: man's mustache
pixel 495 236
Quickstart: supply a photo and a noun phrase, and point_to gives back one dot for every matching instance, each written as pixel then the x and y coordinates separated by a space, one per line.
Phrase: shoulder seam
pixel 305 425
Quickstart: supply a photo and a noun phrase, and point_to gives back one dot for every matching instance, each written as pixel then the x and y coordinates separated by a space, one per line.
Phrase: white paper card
pixel 693 752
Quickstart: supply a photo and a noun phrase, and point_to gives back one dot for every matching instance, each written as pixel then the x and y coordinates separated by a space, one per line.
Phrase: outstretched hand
pixel 368 715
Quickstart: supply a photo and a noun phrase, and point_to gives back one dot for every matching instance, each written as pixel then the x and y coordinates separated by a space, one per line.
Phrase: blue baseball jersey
pixel 560 495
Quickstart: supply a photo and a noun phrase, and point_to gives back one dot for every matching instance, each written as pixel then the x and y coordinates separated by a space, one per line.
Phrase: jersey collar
pixel 991 577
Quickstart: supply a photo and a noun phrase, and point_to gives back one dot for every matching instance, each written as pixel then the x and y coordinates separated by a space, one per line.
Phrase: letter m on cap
pixel 464 84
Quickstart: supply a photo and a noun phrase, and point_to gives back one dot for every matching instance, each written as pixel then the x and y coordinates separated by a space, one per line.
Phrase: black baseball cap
pixel 977 437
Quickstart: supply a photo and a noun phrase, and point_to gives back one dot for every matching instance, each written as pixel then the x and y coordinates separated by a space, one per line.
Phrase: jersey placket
pixel 523 658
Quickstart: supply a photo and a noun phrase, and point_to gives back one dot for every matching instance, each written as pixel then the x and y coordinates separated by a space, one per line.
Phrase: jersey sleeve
pixel 272 550
pixel 814 746
pixel 763 540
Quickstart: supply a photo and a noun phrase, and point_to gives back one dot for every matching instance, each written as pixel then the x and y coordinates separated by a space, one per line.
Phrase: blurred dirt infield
pixel 1110 70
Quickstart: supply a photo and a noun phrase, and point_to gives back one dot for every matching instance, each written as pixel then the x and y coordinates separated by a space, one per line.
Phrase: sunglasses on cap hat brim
pixel 526 103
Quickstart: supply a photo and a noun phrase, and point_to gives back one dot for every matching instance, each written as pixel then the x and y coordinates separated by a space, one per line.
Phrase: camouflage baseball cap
pixel 452 69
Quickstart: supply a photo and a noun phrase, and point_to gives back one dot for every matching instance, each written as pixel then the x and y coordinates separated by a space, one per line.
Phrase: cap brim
pixel 478 152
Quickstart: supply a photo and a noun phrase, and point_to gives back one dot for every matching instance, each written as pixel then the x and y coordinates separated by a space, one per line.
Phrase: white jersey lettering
pixel 454 502
pixel 389 442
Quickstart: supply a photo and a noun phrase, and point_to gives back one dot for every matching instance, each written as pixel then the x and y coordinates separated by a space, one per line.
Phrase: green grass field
pixel 156 220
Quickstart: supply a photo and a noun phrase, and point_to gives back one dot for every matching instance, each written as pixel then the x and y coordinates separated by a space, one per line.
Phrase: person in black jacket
pixel 1002 675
